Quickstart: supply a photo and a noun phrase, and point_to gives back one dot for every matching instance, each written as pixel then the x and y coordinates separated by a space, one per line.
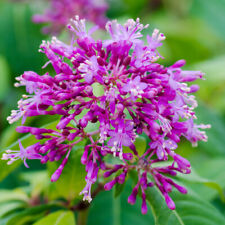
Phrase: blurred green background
pixel 195 31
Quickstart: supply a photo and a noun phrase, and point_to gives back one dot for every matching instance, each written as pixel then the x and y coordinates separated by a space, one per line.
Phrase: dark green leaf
pixel 9 207
pixel 105 209
pixel 4 78
pixel 118 189
pixel 20 38
pixel 29 215
pixel 190 209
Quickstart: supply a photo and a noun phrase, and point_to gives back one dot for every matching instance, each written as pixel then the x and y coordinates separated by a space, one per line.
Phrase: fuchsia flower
pixel 135 87
pixel 123 135
pixel 23 154
pixel 60 11
pixel 139 96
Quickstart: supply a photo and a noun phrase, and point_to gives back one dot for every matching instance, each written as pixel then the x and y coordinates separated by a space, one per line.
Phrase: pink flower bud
pixel 108 186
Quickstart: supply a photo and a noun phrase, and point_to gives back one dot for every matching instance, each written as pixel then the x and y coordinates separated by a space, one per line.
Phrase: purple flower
pixel 92 172
pixel 23 154
pixel 135 95
pixel 130 32
pixel 123 135
pixel 135 87
pixel 193 133
pixel 160 146
pixel 60 11
pixel 89 68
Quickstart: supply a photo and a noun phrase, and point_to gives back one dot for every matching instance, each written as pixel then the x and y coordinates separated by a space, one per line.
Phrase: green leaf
pixel 9 135
pixel 38 181
pixel 57 218
pixel 213 170
pixel 72 179
pixel 29 215
pixel 190 209
pixel 105 209
pixel 187 38
pixel 205 191
pixel 116 8
pixel 98 89
pixel 21 38
pixel 216 141
pixel 206 177
pixel 140 144
pixel 134 7
pixel 9 195
pixel 8 207
pixel 178 8
pixel 118 189
pixel 27 140
pixel 212 12
pixel 212 89
pixel 4 78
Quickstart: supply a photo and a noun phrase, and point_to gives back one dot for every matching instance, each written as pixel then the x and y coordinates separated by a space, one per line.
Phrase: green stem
pixel 116 211
pixel 82 216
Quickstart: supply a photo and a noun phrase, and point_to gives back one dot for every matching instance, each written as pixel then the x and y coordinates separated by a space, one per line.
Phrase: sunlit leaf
pixel 140 144
pixel 72 179
pixel 98 89
pixel 9 195
pixel 57 218
pixel 186 38
pixel 212 89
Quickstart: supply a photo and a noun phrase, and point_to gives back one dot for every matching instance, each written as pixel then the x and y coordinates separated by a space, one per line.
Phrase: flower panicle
pixel 139 96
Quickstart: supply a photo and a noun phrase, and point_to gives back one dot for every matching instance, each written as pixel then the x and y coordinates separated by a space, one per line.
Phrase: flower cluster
pixel 117 87
pixel 60 11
